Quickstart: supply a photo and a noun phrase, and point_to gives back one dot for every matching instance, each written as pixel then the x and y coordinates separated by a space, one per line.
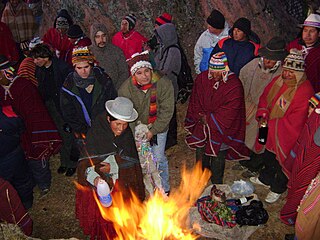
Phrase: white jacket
pixel 204 46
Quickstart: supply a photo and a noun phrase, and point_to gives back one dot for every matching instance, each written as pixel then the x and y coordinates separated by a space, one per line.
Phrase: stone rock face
pixel 268 17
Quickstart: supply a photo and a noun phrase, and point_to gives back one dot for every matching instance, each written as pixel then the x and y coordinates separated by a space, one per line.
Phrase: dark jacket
pixel 73 109
pixel 238 53
pixel 61 71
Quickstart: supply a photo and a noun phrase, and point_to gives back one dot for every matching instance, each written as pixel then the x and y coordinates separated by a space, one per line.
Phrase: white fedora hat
pixel 122 108
pixel 313 20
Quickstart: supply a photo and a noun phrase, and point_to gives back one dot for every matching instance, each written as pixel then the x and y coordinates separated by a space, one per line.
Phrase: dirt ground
pixel 54 218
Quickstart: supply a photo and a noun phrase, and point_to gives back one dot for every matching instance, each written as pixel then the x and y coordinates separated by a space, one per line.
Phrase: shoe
pixel 70 172
pixel 248 174
pixel 272 197
pixel 256 180
pixel 238 166
pixel 62 170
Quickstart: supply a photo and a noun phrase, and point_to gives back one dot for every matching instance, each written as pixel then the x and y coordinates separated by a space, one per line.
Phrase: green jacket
pixel 141 102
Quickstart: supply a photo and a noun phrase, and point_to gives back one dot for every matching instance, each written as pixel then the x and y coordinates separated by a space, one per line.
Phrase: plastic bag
pixel 242 187
pixel 252 215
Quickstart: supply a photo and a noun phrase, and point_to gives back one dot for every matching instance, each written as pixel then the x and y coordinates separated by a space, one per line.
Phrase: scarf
pixel 283 102
pixel 83 82
pixel 153 95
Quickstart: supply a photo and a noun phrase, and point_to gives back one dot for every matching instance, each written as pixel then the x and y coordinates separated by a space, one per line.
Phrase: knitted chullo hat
pixel 219 62
pixel 315 100
pixel 131 19
pixel 82 54
pixel 216 20
pixel 139 60
pixel 294 61
pixel 163 19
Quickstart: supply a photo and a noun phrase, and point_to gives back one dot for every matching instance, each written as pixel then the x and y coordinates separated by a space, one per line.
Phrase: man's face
pixel 268 64
pixel 215 75
pixel 117 126
pixel 14 3
pixel 41 62
pixel 143 75
pixel 288 74
pixel 124 26
pixel 238 35
pixel 310 35
pixel 83 69
pixel 100 39
pixel 213 30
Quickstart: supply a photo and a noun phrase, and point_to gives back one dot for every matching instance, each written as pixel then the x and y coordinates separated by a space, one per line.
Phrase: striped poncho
pixel 302 165
pixel 224 109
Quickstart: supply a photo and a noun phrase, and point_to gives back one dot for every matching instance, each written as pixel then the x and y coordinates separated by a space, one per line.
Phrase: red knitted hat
pixel 163 19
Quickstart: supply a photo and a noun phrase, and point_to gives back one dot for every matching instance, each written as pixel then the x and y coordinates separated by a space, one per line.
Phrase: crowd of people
pixel 82 96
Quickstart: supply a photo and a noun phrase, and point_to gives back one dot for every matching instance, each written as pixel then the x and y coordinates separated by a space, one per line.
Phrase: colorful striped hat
pixel 163 19
pixel 219 62
pixel 315 99
pixel 82 54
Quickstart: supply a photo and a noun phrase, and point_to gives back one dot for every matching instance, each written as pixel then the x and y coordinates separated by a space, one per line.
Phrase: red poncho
pixel 41 138
pixel 224 109
pixel 301 166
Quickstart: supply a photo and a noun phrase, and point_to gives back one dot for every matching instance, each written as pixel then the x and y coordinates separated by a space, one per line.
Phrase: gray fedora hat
pixel 122 108
pixel 274 50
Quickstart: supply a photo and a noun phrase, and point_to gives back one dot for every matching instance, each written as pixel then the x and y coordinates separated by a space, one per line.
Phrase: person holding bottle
pixel 283 106
pixel 111 148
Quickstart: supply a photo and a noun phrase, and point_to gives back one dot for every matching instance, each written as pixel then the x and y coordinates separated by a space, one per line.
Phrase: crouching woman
pixel 110 147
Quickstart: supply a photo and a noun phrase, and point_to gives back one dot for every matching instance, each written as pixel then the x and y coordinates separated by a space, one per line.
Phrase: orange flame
pixel 158 217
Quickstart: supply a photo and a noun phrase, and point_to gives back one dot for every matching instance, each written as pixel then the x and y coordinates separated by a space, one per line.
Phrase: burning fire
pixel 158 217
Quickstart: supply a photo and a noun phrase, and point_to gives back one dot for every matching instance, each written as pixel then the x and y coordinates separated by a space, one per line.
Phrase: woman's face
pixel 117 126
pixel 143 75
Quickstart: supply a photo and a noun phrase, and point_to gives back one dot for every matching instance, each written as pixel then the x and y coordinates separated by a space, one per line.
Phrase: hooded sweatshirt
pixel 168 56
pixel 109 57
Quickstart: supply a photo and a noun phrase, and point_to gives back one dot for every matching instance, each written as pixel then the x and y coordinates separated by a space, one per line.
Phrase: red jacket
pixel 130 44
pixel 283 132
pixel 58 42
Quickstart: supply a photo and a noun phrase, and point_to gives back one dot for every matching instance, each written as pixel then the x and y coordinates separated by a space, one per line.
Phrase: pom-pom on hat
pixel 294 61
pixel 82 54
pixel 139 60
pixel 122 108
pixel 75 32
pixel 219 62
pixel 216 19
pixel 163 19
pixel 131 19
